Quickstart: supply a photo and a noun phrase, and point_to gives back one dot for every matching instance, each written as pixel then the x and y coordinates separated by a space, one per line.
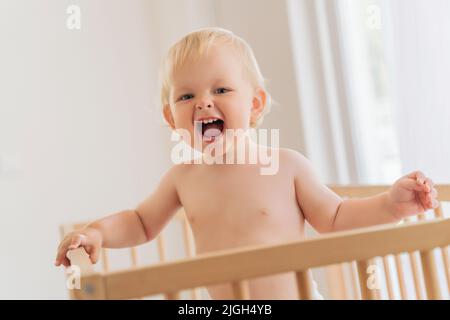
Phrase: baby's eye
pixel 185 97
pixel 221 91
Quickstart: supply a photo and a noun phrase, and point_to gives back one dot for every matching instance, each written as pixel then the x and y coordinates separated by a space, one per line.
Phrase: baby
pixel 212 84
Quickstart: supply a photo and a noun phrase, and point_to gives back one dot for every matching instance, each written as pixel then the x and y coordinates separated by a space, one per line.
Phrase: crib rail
pixel 238 265
pixel 344 253
pixel 356 191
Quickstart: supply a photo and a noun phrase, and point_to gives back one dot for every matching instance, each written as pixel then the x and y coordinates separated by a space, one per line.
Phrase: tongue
pixel 212 130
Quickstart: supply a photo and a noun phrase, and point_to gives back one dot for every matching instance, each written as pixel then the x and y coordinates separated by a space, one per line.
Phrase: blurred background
pixel 361 89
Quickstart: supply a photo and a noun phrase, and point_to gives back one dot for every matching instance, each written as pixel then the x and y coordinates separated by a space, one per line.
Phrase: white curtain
pixel 421 65
pixel 421 60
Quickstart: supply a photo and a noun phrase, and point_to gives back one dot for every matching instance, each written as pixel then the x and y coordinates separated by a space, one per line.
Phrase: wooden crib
pixel 352 261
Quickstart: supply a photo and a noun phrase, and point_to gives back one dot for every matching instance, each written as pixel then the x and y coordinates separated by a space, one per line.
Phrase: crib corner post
pixel 92 287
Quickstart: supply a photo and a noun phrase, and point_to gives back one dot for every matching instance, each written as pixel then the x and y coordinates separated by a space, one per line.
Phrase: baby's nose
pixel 201 106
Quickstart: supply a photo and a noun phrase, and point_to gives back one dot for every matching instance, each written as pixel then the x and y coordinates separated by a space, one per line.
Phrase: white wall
pixel 264 24
pixel 81 134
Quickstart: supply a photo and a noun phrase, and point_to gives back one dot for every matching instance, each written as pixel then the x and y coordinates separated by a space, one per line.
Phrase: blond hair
pixel 198 43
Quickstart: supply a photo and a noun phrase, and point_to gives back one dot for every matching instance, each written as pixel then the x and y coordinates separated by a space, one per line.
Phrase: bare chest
pixel 237 205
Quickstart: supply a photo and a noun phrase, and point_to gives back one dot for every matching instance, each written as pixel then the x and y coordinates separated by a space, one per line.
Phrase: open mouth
pixel 211 129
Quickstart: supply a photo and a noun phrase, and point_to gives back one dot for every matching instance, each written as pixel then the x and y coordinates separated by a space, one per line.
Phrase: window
pixel 364 42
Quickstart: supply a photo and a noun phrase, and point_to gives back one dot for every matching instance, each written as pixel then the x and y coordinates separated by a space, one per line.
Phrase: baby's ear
pixel 258 105
pixel 168 116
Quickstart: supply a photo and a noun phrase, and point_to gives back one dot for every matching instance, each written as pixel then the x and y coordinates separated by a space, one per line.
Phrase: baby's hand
pixel 412 194
pixel 89 239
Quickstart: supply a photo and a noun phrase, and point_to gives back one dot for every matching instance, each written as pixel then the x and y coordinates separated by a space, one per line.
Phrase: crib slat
pixel 430 275
pixel 366 292
pixel 429 270
pixel 336 282
pixel 241 290
pixel 305 285
pixel 439 213
pixel 400 276
pixel 133 255
pixel 161 247
pixel 416 275
pixel 343 287
pixel 105 262
pixel 389 284
pixel 173 296
pixel 446 260
pixel 162 257
pixel 354 274
pixel 415 271
pixel 188 245
pixel 189 248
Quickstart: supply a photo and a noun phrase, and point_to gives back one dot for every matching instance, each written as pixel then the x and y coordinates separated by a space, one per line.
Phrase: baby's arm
pixel 126 228
pixel 327 212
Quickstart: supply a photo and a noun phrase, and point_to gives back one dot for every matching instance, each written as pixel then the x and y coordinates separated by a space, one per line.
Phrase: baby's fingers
pixel 77 240
pixel 94 254
pixel 419 176
pixel 61 258
pixel 412 185
pixel 432 198
pixel 423 201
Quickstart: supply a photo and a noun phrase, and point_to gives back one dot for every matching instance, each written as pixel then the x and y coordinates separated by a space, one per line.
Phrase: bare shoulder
pixel 293 158
pixel 179 171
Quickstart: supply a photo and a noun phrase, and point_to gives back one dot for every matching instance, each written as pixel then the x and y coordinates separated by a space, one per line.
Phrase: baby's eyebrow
pixel 219 81
pixel 182 89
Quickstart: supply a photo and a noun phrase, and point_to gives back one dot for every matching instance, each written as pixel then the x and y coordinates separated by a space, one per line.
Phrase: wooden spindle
pixel 416 275
pixel 241 290
pixel 173 296
pixel 421 217
pixel 415 270
pixel 160 240
pixel 336 282
pixel 429 270
pixel 446 260
pixel 401 276
pixel 439 213
pixel 366 292
pixel 430 275
pixel 105 260
pixel 133 256
pixel 305 285
pixel 189 248
pixel 354 276
pixel 389 283
pixel 161 247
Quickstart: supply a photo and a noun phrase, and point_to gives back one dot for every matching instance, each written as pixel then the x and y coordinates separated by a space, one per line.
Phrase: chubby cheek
pixel 182 118
pixel 238 116
pixel 183 123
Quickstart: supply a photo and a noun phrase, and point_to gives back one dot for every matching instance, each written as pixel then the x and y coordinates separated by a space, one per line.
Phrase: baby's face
pixel 213 88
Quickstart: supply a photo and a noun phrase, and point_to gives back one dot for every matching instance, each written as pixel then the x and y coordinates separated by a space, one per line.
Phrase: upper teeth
pixel 209 120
